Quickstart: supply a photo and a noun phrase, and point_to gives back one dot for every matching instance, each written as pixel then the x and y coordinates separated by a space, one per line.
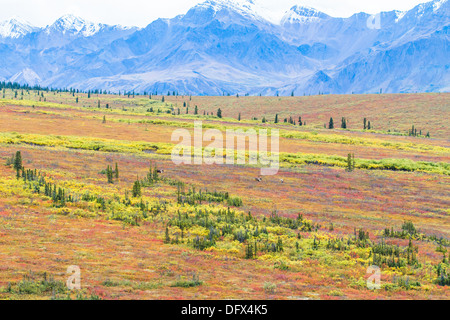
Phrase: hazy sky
pixel 141 12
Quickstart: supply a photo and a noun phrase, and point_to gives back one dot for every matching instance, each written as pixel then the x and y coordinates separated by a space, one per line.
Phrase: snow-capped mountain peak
pixel 15 28
pixel 437 4
pixel 399 15
pixel 429 8
pixel 303 14
pixel 70 23
pixel 246 8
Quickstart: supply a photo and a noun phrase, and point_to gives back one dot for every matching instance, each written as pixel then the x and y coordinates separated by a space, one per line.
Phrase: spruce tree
pixel 349 163
pixel 136 189
pixel 155 174
pixel 331 124
pixel 219 113
pixel 249 251
pixel 109 174
pixel 167 237
pixel 18 161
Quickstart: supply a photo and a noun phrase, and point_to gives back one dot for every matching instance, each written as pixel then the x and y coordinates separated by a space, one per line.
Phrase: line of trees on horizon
pixel 19 86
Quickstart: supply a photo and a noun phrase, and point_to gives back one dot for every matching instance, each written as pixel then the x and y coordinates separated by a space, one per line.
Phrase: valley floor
pixel 214 232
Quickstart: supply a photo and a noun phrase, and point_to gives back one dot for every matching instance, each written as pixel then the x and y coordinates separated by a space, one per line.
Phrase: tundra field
pixel 87 180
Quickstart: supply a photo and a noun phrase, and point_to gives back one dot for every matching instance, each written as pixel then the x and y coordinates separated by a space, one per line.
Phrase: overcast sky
pixel 141 12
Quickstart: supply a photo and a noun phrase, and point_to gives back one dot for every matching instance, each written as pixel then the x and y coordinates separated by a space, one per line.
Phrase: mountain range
pixel 229 47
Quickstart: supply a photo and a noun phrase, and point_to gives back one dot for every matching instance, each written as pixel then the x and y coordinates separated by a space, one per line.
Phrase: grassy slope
pixel 119 260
